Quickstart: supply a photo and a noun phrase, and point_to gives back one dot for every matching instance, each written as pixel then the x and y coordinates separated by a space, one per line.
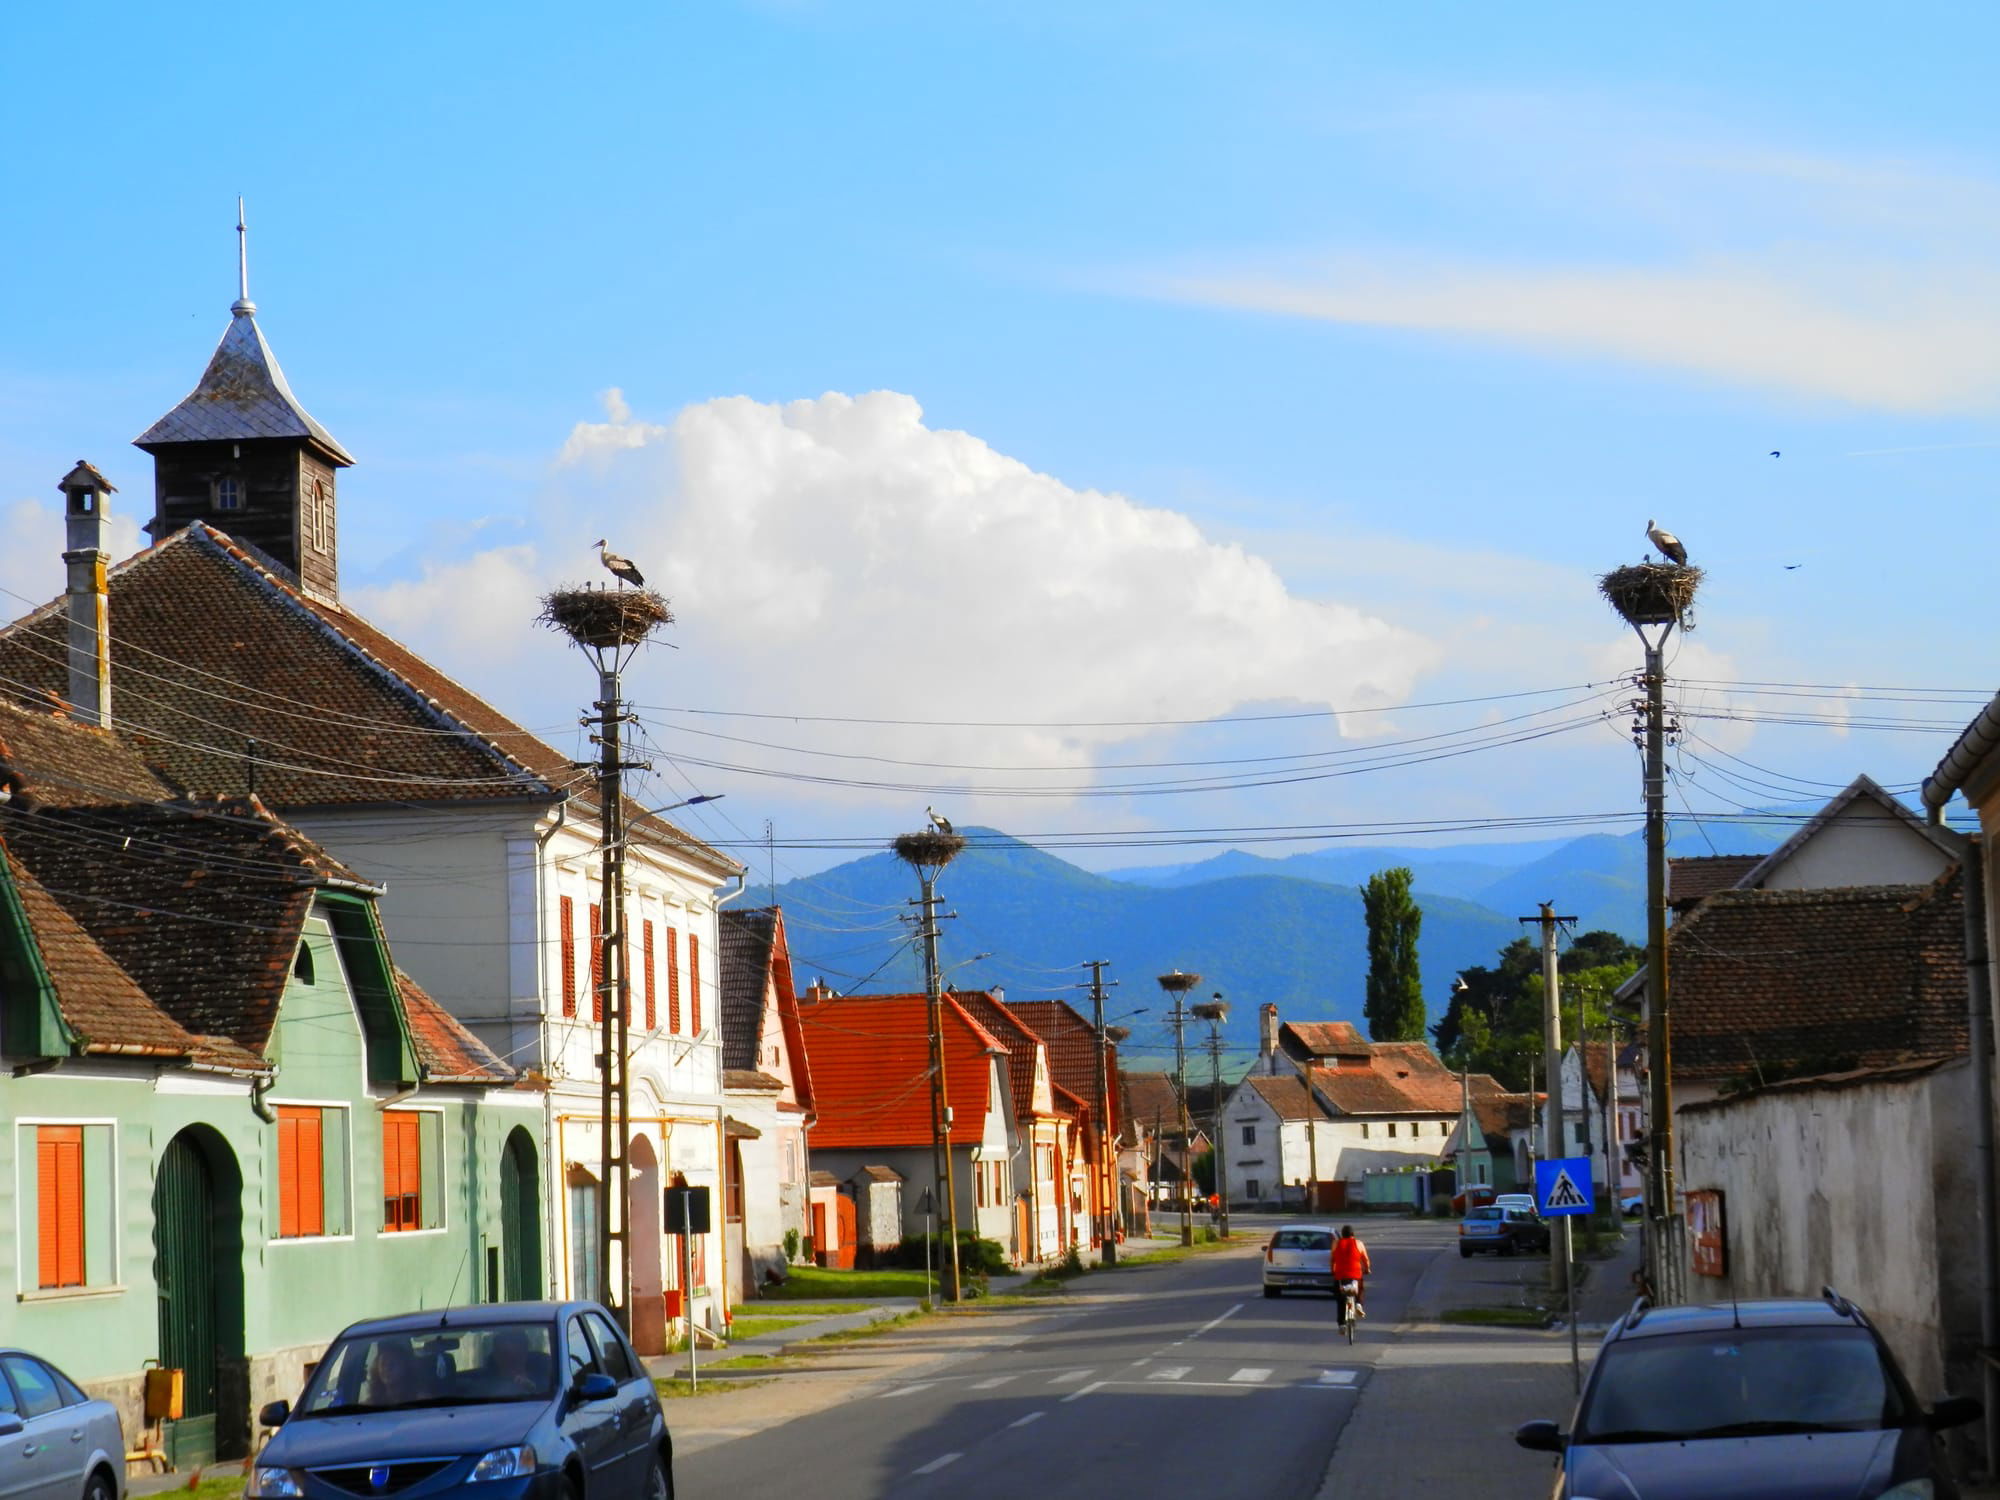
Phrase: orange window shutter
pixel 694 985
pixel 288 1175
pixel 673 981
pixel 312 1173
pixel 59 1162
pixel 596 962
pixel 568 906
pixel 402 1171
pixel 652 1013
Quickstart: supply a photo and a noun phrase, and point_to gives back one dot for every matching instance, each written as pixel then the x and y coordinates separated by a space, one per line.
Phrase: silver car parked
pixel 56 1443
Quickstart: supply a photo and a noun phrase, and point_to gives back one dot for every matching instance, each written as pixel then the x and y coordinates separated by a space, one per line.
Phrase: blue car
pixel 500 1401
pixel 1796 1399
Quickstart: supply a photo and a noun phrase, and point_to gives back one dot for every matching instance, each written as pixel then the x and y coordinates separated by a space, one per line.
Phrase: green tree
pixel 1494 1024
pixel 1395 997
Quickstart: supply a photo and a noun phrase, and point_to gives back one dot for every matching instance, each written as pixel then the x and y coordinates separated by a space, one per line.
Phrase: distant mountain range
pixel 1288 930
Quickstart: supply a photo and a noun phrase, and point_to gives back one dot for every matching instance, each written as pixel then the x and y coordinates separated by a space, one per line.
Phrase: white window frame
pixel 443 1225
pixel 347 1136
pixel 22 1239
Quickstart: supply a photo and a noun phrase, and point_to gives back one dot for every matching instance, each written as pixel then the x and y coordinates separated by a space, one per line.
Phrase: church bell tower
pixel 242 454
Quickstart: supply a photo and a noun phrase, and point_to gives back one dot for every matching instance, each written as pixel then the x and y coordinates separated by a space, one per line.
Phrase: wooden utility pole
pixel 1215 1011
pixel 1553 1142
pixel 1107 1245
pixel 928 853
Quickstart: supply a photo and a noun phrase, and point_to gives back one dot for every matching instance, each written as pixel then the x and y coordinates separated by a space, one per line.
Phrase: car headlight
pixel 274 1484
pixel 503 1463
pixel 1911 1489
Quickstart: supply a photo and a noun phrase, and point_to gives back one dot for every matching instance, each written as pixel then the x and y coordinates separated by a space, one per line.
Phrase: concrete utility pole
pixel 928 853
pixel 1215 1011
pixel 1107 1161
pixel 1553 1143
pixel 1177 984
pixel 1312 1138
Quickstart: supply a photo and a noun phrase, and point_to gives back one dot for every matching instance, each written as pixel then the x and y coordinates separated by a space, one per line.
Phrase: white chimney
pixel 1267 1038
pixel 85 506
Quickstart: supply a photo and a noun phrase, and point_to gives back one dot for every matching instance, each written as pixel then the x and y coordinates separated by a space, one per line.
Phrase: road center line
pixel 1033 1416
pixel 938 1463
pixel 992 1382
pixel 1213 1321
pixel 906 1390
pixel 1095 1385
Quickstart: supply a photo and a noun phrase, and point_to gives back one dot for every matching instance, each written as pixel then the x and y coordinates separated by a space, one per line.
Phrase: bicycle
pixel 1350 1307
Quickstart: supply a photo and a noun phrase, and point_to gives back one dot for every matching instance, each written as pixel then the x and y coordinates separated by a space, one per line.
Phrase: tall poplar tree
pixel 1395 1003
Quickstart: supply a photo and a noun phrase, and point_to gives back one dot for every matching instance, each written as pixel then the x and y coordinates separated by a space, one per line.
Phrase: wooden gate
pixel 520 1220
pixel 197 1258
pixel 843 1253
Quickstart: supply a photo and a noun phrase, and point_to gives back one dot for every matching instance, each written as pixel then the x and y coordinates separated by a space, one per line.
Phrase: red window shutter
pixel 402 1171
pixel 673 981
pixel 568 906
pixel 59 1172
pixel 596 962
pixel 694 985
pixel 652 1012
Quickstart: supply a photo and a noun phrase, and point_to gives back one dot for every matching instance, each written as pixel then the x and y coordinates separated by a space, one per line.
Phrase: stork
pixel 938 821
pixel 1669 544
pixel 620 568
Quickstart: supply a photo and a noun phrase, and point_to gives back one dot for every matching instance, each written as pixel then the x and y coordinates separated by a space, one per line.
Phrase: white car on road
pixel 1299 1258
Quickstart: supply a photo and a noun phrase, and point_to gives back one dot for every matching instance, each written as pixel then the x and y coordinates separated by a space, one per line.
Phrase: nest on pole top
pixel 1117 1034
pixel 605 619
pixel 1652 593
pixel 1210 1010
pixel 931 849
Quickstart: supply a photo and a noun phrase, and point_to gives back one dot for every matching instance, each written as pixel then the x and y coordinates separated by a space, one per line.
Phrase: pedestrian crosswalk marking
pixel 1069 1375
pixel 1170 1372
pixel 1336 1377
pixel 991 1382
pixel 1250 1375
pixel 907 1390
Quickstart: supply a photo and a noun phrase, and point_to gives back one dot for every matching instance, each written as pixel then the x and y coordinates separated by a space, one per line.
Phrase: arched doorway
pixel 646 1206
pixel 520 1219
pixel 198 1271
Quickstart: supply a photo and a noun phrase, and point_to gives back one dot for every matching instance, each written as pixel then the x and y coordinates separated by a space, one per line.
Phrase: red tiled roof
pixel 1697 875
pixel 213 653
pixel 1321 1038
pixel 1022 1045
pixel 1151 1101
pixel 871 1070
pixel 1072 1044
pixel 1768 984
pixel 1286 1094
pixel 447 1052
pixel 59 761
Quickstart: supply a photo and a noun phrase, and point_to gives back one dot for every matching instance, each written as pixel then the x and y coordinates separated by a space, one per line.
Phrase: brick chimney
pixel 85 504
pixel 817 992
pixel 1267 1039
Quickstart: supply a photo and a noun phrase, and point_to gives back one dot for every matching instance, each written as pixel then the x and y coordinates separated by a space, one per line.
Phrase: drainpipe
pixel 260 1085
pixel 1979 1033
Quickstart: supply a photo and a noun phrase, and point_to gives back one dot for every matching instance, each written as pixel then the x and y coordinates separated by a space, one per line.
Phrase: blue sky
pixel 1422 311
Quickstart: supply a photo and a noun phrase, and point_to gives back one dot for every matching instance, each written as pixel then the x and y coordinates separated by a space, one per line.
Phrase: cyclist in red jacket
pixel 1350 1263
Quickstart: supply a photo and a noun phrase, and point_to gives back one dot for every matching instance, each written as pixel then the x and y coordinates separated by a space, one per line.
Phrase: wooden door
pixel 843 1253
pixel 184 1271
pixel 520 1220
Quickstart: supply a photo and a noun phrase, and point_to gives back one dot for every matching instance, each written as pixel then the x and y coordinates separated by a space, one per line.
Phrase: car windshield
pixel 1740 1382
pixel 463 1365
pixel 1302 1239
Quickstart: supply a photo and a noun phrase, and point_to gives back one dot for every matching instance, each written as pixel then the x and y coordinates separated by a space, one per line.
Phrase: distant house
pixel 232 1124
pixel 1045 1132
pixel 1075 1064
pixel 872 1105
pixel 767 1086
pixel 1153 1107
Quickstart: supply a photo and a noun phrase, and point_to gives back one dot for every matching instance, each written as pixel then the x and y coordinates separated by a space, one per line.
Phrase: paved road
pixel 1181 1379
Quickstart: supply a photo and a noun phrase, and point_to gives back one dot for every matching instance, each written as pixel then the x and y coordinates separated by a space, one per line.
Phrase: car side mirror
pixel 593 1385
pixel 1540 1437
pixel 1953 1411
pixel 11 1423
pixel 275 1414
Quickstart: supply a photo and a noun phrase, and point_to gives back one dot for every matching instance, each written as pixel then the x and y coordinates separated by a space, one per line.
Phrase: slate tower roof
pixel 241 395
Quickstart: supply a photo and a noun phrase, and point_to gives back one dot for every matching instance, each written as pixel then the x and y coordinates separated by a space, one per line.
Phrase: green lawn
pixel 224 1486
pixel 748 1362
pixel 1498 1317
pixel 868 1331
pixel 678 1386
pixel 745 1328
pixel 806 1283
pixel 793 1310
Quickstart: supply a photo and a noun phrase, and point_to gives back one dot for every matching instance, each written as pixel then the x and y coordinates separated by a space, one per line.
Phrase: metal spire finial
pixel 243 306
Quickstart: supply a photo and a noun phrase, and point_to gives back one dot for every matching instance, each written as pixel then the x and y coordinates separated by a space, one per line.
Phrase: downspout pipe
pixel 1979 740
pixel 1979 1033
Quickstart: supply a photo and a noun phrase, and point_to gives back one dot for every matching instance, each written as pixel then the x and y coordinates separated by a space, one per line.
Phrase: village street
pixel 1178 1379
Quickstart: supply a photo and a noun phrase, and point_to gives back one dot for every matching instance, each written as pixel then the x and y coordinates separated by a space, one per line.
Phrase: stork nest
pixel 1652 593
pixel 1117 1034
pixel 605 617
pixel 1210 1010
pixel 930 848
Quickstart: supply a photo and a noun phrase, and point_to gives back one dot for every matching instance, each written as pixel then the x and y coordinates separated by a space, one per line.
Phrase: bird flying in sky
pixel 620 568
pixel 1669 544
pixel 1774 453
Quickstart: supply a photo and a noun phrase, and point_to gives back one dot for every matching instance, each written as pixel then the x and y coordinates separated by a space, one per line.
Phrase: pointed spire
pixel 243 307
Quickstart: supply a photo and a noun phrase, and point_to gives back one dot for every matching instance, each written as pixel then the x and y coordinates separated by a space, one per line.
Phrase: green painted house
pixel 232 1126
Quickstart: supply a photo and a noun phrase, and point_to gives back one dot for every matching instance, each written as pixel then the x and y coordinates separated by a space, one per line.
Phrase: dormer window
pixel 229 493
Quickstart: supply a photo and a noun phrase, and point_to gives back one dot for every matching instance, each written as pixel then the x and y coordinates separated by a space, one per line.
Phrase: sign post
pixel 1563 1189
pixel 687 1216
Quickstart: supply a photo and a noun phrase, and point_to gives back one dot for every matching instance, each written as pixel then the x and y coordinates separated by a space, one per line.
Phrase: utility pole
pixel 1107 1244
pixel 928 853
pixel 1215 1011
pixel 610 625
pixel 1553 1143
pixel 1312 1138
pixel 1177 984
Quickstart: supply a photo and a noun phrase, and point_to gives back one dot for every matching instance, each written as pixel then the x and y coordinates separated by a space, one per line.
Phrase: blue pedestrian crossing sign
pixel 1563 1186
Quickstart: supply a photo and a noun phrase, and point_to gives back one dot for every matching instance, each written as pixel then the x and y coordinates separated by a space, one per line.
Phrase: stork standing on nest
pixel 938 821
pixel 620 568
pixel 1669 544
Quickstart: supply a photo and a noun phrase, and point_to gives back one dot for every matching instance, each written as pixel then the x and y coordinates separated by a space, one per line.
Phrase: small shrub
pixel 792 1246
pixel 975 1255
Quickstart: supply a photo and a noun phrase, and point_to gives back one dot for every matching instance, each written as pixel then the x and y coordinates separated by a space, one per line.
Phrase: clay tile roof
pixel 1324 1038
pixel 447 1052
pixel 1072 1044
pixel 58 761
pixel 745 941
pixel 199 900
pixel 1506 1114
pixel 1151 1100
pixel 1698 875
pixel 242 394
pixel 1286 1094
pixel 1770 984
pixel 1022 1044
pixel 213 652
pixel 871 1070
pixel 881 1174
pixel 750 1081
pixel 1401 1078
pixel 822 1178
pixel 98 1000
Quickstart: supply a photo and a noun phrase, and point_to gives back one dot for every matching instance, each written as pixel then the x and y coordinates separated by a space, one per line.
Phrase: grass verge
pixel 677 1386
pixel 804 1283
pixel 747 1328
pixel 1496 1317
pixel 868 1331
pixel 749 1362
